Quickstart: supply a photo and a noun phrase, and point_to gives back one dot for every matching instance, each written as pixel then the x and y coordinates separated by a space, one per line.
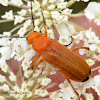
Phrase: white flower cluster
pixel 53 13
pixel 92 12
pixel 80 88
pixel 23 83
pixel 17 48
pixel 93 42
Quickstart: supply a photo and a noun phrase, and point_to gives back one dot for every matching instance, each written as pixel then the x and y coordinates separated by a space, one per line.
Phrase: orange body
pixel 66 61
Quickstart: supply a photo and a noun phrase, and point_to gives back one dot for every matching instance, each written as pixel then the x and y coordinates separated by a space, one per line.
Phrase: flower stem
pixel 71 2
pixel 22 6
pixel 16 28
pixel 77 27
pixel 76 15
pixel 95 68
pixel 20 71
pixel 9 83
pixel 3 21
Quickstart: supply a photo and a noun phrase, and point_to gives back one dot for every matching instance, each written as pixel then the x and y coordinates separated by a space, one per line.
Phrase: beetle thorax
pixel 32 36
pixel 40 44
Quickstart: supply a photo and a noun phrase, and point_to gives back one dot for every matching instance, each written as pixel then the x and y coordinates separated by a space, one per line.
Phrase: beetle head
pixel 32 36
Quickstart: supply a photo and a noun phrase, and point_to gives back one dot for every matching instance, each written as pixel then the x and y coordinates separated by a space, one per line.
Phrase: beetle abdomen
pixel 66 61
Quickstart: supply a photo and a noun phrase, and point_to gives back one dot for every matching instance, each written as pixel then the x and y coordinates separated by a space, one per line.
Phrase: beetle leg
pixel 37 64
pixel 74 50
pixel 35 59
pixel 73 87
pixel 70 42
pixel 45 31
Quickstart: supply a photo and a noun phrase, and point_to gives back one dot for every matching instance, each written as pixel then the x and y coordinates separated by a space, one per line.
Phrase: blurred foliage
pixel 7 26
pixel 77 7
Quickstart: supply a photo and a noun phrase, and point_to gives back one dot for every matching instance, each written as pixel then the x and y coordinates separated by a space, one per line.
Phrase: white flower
pixel 22 49
pixel 26 64
pixel 28 23
pixel 22 31
pixel 4 42
pixel 7 34
pixel 62 18
pixel 55 14
pixel 41 92
pixel 12 77
pixel 90 62
pixel 44 81
pixel 29 94
pixel 48 23
pixel 30 82
pixel 83 0
pixel 18 19
pixel 2 79
pixel 46 14
pixel 62 5
pixel 5 52
pixel 93 47
pixel 22 12
pixel 24 85
pixel 16 88
pixel 64 40
pixel 29 54
pixel 67 11
pixel 4 2
pixel 89 96
pixel 92 12
pixel 97 84
pixel 65 87
pixel 49 69
pixel 91 36
pixel 28 73
pixel 37 29
pixel 5 87
pixel 37 22
pixel 8 15
pixel 2 98
pixel 50 34
pixel 55 96
pixel 44 2
pixel 51 7
pixel 16 2
pixel 82 51
pixel 3 65
pixel 52 1
pixel 37 73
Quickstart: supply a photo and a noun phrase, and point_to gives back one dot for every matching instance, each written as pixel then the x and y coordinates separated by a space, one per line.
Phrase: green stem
pixel 3 21
pixel 76 15
pixel 71 2
pixel 17 27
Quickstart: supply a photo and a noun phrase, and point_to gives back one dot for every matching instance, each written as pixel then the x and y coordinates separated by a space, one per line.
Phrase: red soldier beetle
pixel 70 64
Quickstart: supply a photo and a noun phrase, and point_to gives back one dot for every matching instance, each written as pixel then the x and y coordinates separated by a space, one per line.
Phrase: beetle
pixel 70 64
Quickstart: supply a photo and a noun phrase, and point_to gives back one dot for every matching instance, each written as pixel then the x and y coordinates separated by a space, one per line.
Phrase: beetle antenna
pixel 70 42
pixel 32 14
